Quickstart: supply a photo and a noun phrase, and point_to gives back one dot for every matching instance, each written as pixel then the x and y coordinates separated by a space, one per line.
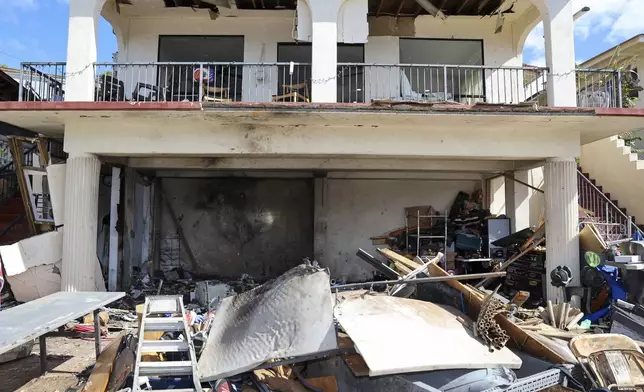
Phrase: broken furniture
pixel 110 89
pixel 155 319
pixel 426 218
pixel 611 361
pixel 41 317
pixel 293 93
pixel 206 77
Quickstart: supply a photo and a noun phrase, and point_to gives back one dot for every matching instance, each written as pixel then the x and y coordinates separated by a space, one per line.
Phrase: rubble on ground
pixel 457 303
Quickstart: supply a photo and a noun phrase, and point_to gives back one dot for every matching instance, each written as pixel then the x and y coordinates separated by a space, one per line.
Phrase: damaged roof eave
pixel 49 118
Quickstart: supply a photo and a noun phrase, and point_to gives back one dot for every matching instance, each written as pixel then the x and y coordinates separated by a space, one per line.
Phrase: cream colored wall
pixel 361 208
pixel 321 135
pixel 529 204
pixel 263 31
pixel 618 171
pixel 260 45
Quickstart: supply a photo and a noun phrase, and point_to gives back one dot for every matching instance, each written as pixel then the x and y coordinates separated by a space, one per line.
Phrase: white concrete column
pixel 82 49
pixel 562 219
pixel 640 75
pixel 560 51
pixel 324 16
pixel 81 216
pixel 510 205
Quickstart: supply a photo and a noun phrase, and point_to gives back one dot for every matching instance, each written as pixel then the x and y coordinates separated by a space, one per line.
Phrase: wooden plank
pixel 520 338
pixel 354 362
pixel 520 298
pixel 17 154
pixel 100 375
pixel 398 258
pixel 403 268
pixel 512 260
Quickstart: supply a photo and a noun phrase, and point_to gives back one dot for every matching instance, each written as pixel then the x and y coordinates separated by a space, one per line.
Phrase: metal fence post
pixel 22 80
pixel 445 81
pixel 630 227
pixel 201 82
pixel 619 89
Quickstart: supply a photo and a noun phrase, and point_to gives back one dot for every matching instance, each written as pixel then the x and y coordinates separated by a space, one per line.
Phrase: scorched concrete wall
pixel 261 227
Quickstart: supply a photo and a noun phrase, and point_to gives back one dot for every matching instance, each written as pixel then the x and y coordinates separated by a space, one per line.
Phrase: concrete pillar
pixel 562 219
pixel 640 75
pixel 81 216
pixel 560 51
pixel 324 17
pixel 320 214
pixel 510 205
pixel 81 49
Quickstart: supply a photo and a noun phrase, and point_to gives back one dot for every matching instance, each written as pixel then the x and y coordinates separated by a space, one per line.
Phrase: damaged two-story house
pixel 254 133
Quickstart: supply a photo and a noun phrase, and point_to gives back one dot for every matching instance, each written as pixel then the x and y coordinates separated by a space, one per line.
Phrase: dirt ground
pixel 65 359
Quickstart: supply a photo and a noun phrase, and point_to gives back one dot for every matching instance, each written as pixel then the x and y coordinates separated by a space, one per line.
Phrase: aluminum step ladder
pixel 165 314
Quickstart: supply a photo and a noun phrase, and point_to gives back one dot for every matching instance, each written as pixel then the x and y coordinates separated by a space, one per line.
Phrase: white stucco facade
pixel 459 150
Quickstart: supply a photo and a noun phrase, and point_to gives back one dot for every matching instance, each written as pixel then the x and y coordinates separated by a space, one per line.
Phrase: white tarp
pixel 288 317
pixel 398 335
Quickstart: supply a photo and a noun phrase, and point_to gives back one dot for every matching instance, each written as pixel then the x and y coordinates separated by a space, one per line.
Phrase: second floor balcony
pixel 292 82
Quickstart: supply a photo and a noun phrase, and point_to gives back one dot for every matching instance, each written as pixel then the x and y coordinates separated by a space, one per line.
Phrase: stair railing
pixel 8 179
pixel 612 223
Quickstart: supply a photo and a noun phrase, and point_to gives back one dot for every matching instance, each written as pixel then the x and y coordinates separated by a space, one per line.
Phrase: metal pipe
pixel 433 279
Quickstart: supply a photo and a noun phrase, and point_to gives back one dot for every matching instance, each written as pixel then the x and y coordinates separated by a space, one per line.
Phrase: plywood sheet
pixel 436 339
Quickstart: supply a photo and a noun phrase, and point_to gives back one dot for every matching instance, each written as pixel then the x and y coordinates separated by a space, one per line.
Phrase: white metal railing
pixel 599 88
pixel 292 82
pixel 42 81
pixel 203 82
pixel 612 223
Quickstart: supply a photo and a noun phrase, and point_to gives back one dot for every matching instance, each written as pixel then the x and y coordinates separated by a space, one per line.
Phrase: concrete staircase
pixel 611 183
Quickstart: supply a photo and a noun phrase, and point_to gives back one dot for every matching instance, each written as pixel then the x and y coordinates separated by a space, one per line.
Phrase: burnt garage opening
pixel 234 226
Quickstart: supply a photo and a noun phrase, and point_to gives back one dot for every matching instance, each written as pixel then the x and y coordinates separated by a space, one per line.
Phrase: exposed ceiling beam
pixel 263 5
pixel 442 7
pixel 379 8
pixel 462 7
pixel 254 5
pixel 400 7
pixel 418 11
pixel 483 4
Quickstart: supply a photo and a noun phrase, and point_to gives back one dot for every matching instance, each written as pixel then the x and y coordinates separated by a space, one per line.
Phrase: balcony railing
pixel 42 82
pixel 292 82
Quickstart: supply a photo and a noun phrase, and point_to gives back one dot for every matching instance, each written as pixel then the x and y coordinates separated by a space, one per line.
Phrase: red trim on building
pixel 98 106
pixel 633 112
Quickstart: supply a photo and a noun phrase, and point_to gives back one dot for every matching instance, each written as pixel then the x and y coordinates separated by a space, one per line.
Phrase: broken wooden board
pixel 520 338
pixel 370 319
pixel 399 259
pixel 100 375
pixel 590 240
pixel 354 362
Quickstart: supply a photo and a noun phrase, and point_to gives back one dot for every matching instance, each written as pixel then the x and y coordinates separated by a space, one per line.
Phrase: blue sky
pixel 36 30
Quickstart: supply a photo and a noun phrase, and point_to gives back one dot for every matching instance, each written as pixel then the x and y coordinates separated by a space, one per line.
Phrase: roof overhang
pixel 623 51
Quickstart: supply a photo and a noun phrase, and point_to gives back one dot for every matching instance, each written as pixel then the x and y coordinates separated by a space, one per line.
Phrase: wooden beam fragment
pixel 462 7
pixel 400 7
pixel 100 375
pixel 398 258
pixel 520 338
pixel 379 8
